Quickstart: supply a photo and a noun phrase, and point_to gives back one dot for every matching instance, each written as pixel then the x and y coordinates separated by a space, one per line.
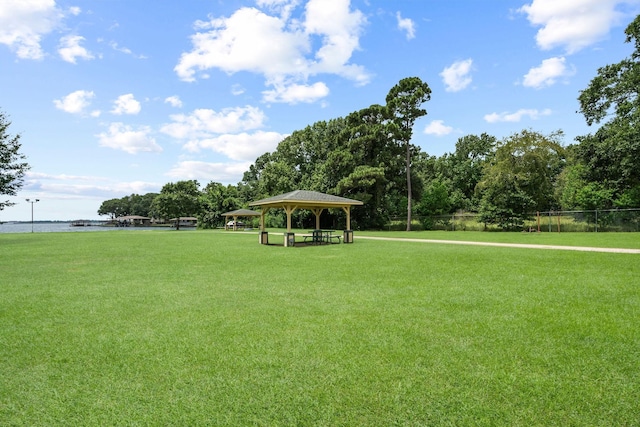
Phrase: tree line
pixel 367 155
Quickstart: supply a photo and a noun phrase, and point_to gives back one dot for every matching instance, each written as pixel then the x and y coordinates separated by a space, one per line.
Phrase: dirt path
pixel 507 245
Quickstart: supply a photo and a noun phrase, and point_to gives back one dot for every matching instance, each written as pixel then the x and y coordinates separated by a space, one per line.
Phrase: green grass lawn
pixel 209 328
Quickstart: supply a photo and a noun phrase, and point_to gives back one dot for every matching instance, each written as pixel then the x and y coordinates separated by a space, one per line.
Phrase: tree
pixel 616 86
pixel 141 204
pixel 376 178
pixel 435 201
pixel 366 183
pixel 215 200
pixel 612 154
pixel 12 165
pixel 404 101
pixel 521 178
pixel 460 171
pixel 471 155
pixel 115 207
pixel 177 200
pixel 134 204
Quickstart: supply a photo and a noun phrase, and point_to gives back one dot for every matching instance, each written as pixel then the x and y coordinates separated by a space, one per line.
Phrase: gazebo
pixel 236 214
pixel 303 199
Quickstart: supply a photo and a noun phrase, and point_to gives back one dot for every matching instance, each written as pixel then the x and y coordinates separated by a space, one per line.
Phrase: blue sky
pixel 115 97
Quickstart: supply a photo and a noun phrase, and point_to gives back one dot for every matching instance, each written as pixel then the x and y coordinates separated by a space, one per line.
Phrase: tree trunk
pixel 408 187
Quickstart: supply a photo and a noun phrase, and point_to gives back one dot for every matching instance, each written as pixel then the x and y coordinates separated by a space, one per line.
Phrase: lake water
pixel 54 227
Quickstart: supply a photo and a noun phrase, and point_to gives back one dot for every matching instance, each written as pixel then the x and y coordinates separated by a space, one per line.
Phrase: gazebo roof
pixel 305 198
pixel 242 212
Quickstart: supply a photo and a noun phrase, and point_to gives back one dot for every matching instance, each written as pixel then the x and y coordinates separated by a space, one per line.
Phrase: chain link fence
pixel 611 220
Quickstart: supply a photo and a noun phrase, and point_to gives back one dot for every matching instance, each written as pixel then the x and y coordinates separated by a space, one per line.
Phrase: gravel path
pixel 507 245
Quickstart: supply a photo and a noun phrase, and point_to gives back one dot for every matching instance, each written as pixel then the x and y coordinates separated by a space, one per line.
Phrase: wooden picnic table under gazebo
pixel 314 201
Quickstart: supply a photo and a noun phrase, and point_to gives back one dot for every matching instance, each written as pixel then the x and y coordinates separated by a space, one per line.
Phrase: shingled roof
pixel 305 197
pixel 241 212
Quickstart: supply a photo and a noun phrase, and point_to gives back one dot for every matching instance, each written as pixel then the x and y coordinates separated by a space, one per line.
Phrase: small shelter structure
pixel 302 199
pixel 133 220
pixel 238 213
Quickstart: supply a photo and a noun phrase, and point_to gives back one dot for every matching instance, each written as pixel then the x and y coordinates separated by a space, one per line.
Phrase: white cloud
pixel 573 25
pixel 126 104
pixel 23 24
pixel 237 89
pixel 437 128
pixel 135 187
pixel 340 30
pixel 406 25
pixel 248 40
pixel 547 73
pixel 224 132
pixel 203 123
pixel 174 101
pixel 283 7
pixel 70 49
pixel 62 177
pixel 117 48
pixel 125 138
pixel 75 102
pixel 228 173
pixel 64 186
pixel 517 116
pixel 456 76
pixel 296 93
pixel 125 50
pixel 279 47
pixel 75 11
pixel 242 146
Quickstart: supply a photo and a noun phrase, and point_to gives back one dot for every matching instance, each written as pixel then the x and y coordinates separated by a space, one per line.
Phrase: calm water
pixel 49 227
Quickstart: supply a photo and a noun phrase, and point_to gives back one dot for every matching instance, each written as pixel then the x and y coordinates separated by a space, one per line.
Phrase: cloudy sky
pixel 119 97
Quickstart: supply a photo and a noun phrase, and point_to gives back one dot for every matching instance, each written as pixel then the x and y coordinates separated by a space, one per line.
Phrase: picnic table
pixel 318 237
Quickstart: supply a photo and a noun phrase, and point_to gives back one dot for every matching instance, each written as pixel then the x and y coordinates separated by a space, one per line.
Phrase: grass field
pixel 209 328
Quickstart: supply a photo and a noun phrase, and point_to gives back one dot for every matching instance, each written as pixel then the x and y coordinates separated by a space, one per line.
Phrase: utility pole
pixel 33 202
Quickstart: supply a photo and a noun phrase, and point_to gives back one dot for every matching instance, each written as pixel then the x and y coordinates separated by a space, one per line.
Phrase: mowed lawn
pixel 209 328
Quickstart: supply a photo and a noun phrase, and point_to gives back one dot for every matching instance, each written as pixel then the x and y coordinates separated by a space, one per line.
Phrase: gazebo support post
pixel 347 210
pixel 263 235
pixel 263 213
pixel 289 210
pixel 318 212
pixel 347 237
